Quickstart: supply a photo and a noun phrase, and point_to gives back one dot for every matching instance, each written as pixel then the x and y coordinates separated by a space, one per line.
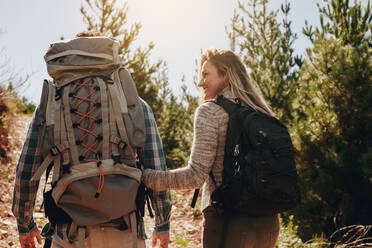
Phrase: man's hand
pixel 28 241
pixel 163 238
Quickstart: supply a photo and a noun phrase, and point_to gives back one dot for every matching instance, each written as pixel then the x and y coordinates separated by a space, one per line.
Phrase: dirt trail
pixel 185 222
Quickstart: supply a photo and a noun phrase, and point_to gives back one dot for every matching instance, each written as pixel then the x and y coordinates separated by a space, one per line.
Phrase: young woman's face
pixel 211 82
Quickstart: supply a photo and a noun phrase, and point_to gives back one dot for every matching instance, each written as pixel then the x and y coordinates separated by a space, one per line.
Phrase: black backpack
pixel 259 175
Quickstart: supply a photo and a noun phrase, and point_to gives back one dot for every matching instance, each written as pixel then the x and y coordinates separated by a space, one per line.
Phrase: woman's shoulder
pixel 211 110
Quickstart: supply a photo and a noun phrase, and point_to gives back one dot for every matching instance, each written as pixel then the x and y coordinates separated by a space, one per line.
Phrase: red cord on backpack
pixel 89 148
pixel 101 180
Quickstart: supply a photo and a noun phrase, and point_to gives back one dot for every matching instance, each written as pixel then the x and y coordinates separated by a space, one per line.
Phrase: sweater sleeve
pixel 203 153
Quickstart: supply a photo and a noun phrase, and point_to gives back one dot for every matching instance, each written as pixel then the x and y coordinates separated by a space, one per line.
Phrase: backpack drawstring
pixel 101 180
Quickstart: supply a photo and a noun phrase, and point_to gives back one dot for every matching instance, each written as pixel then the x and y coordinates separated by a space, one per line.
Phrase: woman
pixel 221 73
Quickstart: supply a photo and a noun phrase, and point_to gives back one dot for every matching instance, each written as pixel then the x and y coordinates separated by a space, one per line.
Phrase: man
pixel 25 189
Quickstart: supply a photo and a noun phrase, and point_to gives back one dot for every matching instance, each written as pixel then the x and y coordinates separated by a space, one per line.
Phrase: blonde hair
pixel 230 66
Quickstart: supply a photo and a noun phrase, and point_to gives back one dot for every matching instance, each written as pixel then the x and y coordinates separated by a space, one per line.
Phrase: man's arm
pixel 154 159
pixel 25 190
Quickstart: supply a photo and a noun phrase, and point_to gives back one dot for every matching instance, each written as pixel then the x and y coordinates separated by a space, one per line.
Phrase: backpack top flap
pixel 81 57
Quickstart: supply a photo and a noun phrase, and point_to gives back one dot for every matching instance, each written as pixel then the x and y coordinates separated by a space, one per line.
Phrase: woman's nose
pixel 201 82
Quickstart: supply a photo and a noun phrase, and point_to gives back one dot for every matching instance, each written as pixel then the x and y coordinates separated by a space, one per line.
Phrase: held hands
pixel 28 241
pixel 163 238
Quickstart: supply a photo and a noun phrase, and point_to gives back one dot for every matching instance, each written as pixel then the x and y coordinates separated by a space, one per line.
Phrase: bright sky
pixel 179 29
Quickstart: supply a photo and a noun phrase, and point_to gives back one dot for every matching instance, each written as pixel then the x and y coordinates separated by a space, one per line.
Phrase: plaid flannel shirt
pixel 25 191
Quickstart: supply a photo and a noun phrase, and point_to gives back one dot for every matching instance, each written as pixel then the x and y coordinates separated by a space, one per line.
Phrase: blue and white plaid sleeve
pixel 154 159
pixel 24 193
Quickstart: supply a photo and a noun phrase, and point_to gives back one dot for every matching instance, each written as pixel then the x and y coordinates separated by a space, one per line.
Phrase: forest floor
pixel 185 222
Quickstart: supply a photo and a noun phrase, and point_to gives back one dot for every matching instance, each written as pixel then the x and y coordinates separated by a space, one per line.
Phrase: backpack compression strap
pixel 119 104
pixel 114 148
pixel 105 119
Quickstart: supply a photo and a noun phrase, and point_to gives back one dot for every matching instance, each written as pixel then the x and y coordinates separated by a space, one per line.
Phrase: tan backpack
pixel 94 125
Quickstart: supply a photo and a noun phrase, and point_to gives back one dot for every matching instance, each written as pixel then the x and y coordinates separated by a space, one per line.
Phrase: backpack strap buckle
pixel 58 93
pixel 58 149
pixel 122 144
pixel 238 101
pixel 55 150
pixel 118 141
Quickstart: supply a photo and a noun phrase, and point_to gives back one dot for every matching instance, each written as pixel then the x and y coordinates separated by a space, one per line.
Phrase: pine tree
pixel 266 48
pixel 176 127
pixel 110 18
pixel 334 121
pixel 177 132
pixel 339 19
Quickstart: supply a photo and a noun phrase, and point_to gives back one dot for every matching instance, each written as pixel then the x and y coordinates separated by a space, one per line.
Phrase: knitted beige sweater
pixel 207 152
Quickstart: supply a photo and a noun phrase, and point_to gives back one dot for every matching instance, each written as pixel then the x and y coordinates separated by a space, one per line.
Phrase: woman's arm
pixel 203 153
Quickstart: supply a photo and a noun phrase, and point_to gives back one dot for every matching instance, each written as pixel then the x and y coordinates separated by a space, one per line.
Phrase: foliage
pixel 346 237
pixel 338 19
pixel 10 105
pixel 174 117
pixel 176 127
pixel 179 239
pixel 288 237
pixel 266 48
pixel 110 18
pixel 4 117
pixel 334 124
pixel 24 106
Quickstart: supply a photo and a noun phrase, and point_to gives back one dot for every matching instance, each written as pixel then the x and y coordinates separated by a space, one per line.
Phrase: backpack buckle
pixel 116 159
pixel 238 101
pixel 48 230
pixel 108 79
pixel 236 150
pixel 236 168
pixel 122 144
pixel 58 94
pixel 54 151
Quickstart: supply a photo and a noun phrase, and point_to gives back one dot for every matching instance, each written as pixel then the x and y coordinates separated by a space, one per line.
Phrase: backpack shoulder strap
pixel 229 106
pixel 232 106
pixel 50 108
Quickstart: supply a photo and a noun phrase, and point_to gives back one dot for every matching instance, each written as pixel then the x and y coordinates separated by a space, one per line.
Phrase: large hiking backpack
pixel 94 126
pixel 259 175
